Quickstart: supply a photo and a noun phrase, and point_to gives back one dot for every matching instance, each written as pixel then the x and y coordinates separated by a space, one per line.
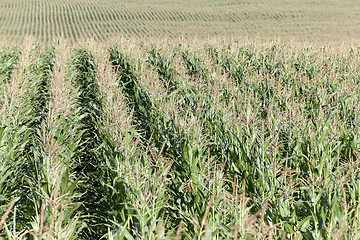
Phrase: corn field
pixel 104 20
pixel 211 140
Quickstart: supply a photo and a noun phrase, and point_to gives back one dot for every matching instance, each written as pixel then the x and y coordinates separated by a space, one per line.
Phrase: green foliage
pixel 249 143
pixel 8 60
pixel 91 151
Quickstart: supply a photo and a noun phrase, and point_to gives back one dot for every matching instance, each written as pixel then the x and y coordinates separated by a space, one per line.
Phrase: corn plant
pixel 90 150
pixel 8 60
pixel 163 135
pixel 20 140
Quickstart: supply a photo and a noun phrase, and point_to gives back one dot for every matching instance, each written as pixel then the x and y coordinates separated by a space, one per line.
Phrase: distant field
pixel 307 20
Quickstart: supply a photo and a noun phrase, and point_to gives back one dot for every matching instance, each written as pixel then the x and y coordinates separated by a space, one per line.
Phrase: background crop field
pixel 305 20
